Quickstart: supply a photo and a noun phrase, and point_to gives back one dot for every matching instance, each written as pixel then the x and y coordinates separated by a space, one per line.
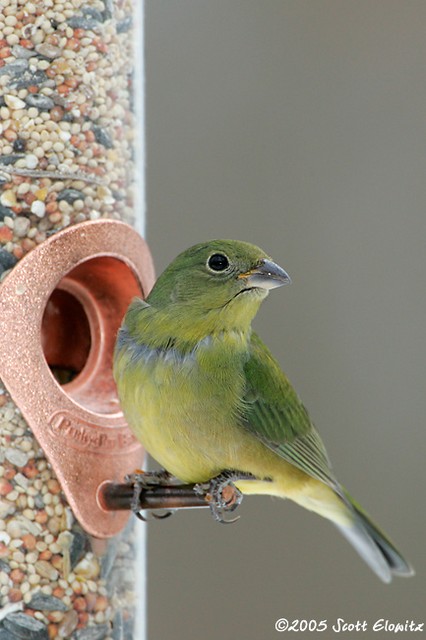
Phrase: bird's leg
pixel 144 479
pixel 150 478
pixel 222 494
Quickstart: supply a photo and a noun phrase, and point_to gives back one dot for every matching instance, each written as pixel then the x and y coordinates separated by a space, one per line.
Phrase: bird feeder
pixel 71 180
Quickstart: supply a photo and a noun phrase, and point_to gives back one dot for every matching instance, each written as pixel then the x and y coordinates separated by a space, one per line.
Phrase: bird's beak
pixel 266 275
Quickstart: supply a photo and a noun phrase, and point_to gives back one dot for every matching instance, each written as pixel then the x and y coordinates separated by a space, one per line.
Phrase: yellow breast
pixel 182 407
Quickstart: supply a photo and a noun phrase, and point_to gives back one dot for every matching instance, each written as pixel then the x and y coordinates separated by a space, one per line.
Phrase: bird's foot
pixel 222 494
pixel 144 479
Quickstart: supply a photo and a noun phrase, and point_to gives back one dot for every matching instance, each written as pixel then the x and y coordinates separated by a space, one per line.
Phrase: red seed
pixel 6 234
pixel 29 541
pixel 17 576
pixel 26 43
pixel 56 113
pixel 28 244
pixel 100 45
pixel 80 604
pixel 10 135
pixel 101 603
pixel 63 89
pixel 5 486
pixel 72 82
pixel 53 486
pixel 52 39
pixel 18 253
pixel 75 140
pixel 29 198
pixel 51 207
pixel 42 517
pixel 83 619
pixel 90 136
pixel 30 470
pixel 14 595
pixel 57 562
pixel 73 44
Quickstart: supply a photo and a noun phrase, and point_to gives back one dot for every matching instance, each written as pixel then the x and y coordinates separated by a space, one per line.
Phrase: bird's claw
pixel 144 479
pixel 222 494
pixel 154 516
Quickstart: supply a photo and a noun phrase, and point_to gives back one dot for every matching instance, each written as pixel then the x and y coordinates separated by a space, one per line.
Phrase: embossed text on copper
pixel 61 307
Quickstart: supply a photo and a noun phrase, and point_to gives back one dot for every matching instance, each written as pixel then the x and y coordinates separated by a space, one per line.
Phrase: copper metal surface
pixel 113 496
pixel 62 304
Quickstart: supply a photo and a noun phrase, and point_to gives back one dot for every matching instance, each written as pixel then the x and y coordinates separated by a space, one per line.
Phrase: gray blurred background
pixel 300 125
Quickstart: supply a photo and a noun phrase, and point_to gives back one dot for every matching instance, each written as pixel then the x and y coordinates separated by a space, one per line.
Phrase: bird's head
pixel 224 276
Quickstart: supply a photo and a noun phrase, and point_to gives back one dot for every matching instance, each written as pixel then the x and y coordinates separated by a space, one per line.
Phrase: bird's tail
pixel 372 544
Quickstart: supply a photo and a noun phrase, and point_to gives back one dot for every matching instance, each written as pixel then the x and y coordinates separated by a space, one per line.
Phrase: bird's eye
pixel 218 262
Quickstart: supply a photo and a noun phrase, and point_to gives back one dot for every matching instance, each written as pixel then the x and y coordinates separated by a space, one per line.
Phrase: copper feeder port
pixel 61 307
pixel 79 327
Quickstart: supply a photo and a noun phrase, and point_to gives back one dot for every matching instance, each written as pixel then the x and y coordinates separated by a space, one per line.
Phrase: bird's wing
pixel 274 413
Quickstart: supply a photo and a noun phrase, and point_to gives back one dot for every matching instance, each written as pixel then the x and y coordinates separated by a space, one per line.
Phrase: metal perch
pixel 220 495
pixel 119 497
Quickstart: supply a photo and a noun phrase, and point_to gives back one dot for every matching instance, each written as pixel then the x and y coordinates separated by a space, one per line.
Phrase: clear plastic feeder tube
pixel 71 150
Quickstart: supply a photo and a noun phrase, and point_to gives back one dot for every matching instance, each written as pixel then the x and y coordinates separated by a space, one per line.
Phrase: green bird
pixel 205 396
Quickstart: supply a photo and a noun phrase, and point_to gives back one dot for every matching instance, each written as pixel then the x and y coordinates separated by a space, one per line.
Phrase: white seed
pixel 13 102
pixel 38 208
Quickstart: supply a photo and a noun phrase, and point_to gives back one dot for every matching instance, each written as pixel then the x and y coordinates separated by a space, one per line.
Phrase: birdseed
pixel 66 105
pixel 68 131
